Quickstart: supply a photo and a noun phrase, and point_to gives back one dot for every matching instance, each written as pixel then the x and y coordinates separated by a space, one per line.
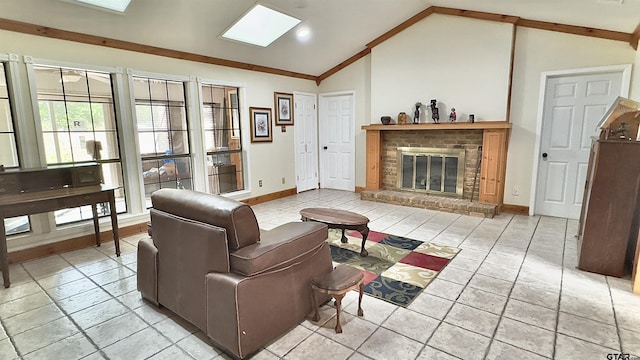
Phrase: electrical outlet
pixel 259 183
pixel 283 180
pixel 516 190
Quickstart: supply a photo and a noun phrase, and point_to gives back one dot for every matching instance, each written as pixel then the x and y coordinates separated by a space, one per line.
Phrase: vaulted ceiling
pixel 338 29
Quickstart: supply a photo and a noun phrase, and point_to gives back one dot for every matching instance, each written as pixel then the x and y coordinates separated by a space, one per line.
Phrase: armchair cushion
pixel 278 248
pixel 235 217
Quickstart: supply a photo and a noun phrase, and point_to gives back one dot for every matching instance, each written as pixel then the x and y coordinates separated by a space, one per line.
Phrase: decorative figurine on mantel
pixel 402 118
pixel 416 115
pixel 453 116
pixel 435 116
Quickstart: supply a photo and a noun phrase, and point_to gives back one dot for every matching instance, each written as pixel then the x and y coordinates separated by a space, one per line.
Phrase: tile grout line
pixel 504 308
pixel 440 321
pixel 557 322
pixel 64 312
pixel 4 327
pixel 68 315
pixel 615 317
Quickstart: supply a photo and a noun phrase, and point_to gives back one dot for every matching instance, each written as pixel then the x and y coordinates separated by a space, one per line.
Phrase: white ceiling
pixel 339 28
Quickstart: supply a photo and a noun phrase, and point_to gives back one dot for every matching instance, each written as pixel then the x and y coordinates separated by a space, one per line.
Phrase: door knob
pixel 324 147
pixel 545 155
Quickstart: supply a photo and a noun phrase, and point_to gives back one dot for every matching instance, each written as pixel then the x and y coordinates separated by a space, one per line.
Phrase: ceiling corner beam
pixel 576 30
pixel 31 29
pixel 476 14
pixel 634 38
pixel 404 25
pixel 343 65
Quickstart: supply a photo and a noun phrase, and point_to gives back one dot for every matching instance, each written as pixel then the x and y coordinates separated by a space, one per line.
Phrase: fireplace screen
pixel 431 170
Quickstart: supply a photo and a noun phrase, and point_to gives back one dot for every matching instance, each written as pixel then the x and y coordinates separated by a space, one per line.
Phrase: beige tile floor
pixel 512 293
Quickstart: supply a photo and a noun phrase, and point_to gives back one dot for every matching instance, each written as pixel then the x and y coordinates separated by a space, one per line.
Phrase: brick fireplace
pixel 467 140
pixel 384 141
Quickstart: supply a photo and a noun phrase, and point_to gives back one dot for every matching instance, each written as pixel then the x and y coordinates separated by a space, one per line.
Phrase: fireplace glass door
pixel 433 173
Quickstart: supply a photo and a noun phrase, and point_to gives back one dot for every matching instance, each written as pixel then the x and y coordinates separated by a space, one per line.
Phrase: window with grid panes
pixel 9 151
pixel 223 144
pixel 163 135
pixel 78 124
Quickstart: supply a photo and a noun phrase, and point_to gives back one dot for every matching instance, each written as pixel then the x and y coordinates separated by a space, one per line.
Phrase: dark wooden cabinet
pixel 608 230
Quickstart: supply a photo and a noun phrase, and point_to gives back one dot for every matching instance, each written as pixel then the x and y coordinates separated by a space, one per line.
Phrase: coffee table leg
pixel 365 233
pixel 344 238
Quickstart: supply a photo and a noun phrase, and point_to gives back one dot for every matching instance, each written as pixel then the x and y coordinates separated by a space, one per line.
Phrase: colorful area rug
pixel 397 268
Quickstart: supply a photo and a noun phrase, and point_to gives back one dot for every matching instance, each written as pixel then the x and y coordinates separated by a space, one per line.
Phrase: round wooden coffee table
pixel 339 219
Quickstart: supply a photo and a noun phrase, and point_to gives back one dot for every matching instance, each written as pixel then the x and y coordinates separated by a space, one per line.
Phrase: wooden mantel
pixel 441 126
pixel 495 139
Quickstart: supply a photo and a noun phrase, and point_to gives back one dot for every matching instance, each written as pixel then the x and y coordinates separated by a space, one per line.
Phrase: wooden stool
pixel 336 283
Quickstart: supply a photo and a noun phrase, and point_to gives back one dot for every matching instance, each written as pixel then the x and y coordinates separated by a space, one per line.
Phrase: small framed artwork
pixel 283 103
pixel 260 124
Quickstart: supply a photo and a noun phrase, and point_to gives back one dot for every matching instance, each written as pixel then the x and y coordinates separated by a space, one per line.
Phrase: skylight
pixel 260 26
pixel 115 5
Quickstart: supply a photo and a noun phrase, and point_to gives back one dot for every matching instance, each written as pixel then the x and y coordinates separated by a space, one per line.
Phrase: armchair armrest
pixel 278 248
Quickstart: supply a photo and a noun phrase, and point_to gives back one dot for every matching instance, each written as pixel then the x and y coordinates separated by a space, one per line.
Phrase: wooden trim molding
pixel 31 29
pixel 634 38
pixel 515 209
pixel 398 29
pixel 38 30
pixel 268 197
pixel 515 20
pixel 343 65
pixel 480 15
pixel 37 252
pixel 576 30
pixel 512 62
pixel 441 126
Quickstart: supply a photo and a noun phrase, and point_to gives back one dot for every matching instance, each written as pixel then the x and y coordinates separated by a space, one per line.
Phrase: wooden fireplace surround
pixel 495 139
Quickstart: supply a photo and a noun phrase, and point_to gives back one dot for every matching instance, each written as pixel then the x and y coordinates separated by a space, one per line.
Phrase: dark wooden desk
pixel 50 200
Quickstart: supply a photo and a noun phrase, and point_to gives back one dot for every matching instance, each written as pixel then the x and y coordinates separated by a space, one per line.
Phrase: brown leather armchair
pixel 208 262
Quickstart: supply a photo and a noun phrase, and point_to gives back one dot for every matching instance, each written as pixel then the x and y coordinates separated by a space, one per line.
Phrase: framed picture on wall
pixel 283 104
pixel 260 124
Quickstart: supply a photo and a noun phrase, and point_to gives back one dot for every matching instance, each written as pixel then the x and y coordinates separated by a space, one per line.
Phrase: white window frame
pixel 43 226
pixel 200 138
pixel 132 138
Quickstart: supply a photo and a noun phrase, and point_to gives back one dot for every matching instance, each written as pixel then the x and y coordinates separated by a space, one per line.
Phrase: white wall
pixel 461 62
pixel 464 63
pixel 538 51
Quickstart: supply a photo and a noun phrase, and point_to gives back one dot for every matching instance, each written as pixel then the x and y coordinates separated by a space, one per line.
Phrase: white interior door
pixel 337 141
pixel 306 135
pixel 573 105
